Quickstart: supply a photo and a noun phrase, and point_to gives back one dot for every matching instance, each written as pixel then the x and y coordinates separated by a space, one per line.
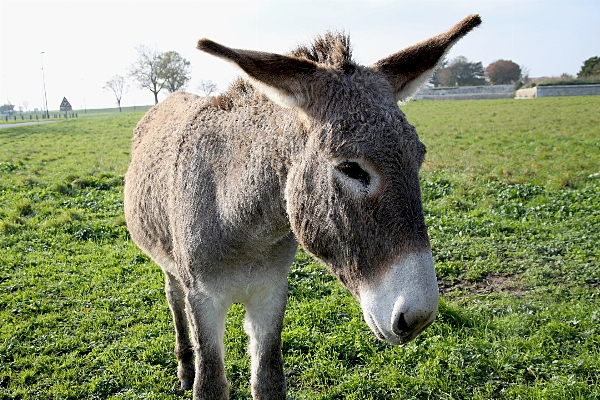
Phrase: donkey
pixel 308 148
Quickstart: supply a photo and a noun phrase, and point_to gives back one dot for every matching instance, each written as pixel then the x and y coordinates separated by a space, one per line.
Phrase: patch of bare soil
pixel 491 283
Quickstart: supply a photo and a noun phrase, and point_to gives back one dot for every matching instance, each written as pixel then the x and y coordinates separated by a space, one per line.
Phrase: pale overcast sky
pixel 85 42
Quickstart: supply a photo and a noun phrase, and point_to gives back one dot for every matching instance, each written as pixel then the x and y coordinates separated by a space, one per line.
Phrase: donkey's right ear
pixel 409 69
pixel 283 79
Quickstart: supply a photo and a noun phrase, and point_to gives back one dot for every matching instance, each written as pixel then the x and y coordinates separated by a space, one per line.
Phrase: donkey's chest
pixel 243 273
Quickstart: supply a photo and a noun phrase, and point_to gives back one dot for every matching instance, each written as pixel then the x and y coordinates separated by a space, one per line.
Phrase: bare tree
pixel 525 74
pixel 207 87
pixel 147 70
pixel 117 85
pixel 174 70
pixel 25 104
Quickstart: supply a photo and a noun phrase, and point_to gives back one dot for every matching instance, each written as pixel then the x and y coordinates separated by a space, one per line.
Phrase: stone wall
pixel 466 93
pixel 558 91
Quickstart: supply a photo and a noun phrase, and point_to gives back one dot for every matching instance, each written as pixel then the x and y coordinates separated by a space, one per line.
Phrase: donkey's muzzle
pixel 403 301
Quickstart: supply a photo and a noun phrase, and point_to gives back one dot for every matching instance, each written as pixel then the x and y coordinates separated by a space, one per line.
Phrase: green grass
pixel 512 198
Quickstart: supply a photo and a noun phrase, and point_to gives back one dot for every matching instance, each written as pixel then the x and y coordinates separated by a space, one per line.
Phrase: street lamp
pixel 44 81
pixel 84 104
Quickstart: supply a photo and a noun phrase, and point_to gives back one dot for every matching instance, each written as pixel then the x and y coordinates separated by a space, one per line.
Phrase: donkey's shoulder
pixel 169 118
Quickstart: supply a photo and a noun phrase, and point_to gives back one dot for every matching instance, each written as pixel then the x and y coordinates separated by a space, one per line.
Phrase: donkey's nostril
pixel 400 326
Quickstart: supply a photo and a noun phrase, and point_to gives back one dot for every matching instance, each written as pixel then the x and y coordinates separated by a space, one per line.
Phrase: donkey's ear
pixel 411 68
pixel 283 79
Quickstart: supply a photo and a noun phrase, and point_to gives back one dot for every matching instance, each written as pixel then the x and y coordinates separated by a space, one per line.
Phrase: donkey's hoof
pixel 187 383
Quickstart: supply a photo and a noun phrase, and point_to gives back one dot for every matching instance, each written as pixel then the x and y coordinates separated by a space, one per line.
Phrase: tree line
pixel 156 71
pixel 461 72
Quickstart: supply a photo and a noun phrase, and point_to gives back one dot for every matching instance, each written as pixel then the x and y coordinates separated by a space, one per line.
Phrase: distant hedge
pixel 584 81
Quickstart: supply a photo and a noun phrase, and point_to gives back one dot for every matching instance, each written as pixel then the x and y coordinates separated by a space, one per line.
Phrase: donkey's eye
pixel 354 171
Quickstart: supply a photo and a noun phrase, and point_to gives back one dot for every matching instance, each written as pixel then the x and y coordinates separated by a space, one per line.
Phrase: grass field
pixel 512 198
pixel 30 116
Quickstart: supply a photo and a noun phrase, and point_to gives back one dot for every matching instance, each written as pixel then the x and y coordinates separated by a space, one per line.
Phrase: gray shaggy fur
pixel 309 148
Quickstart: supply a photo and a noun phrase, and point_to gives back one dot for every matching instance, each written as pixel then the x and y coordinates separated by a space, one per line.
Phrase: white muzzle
pixel 404 301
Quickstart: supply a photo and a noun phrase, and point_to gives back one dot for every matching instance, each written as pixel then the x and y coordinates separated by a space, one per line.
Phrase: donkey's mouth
pixel 377 331
pixel 392 337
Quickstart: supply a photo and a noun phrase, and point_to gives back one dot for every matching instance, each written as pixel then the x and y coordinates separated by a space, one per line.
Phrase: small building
pixel 65 105
pixel 7 109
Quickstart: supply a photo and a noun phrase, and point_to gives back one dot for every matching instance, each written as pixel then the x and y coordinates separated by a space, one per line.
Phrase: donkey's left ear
pixel 283 79
pixel 411 68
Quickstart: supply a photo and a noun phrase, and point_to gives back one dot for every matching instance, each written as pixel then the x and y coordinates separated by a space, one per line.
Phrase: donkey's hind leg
pixel 183 347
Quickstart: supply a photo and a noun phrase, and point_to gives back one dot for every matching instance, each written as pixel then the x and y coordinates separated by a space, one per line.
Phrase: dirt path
pixel 3 126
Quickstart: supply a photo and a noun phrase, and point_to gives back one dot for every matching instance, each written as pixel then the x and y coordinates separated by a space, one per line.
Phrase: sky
pixel 82 44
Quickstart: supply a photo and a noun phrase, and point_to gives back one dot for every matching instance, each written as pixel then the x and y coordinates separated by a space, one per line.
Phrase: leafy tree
pixel 174 70
pixel 503 72
pixel 435 79
pixel 117 85
pixel 590 67
pixel 207 87
pixel 147 70
pixel 461 72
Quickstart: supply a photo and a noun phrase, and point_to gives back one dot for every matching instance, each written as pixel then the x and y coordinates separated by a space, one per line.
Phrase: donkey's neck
pixel 259 141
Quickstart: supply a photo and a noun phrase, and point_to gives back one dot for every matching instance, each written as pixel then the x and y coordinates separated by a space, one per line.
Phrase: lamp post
pixel 84 104
pixel 44 81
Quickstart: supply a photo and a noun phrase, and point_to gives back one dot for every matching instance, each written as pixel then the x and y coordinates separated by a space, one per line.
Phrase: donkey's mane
pixel 332 49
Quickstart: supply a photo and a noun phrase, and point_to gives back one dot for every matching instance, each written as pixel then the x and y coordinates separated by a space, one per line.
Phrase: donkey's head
pixel 353 192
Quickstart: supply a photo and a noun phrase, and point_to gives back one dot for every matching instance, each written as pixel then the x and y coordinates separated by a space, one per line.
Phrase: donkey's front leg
pixel 263 324
pixel 206 317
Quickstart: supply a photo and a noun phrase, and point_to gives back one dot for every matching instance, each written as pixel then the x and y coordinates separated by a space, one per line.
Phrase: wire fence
pixel 41 115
